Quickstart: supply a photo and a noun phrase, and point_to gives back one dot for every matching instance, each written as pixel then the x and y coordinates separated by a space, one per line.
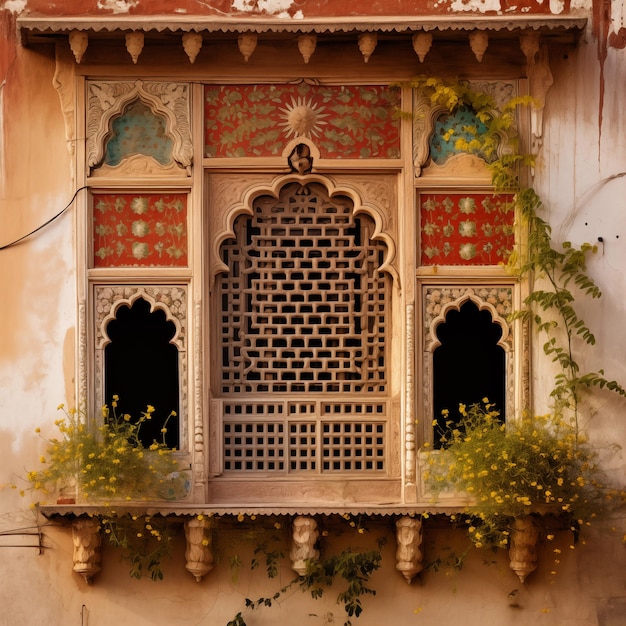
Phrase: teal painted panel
pixel 138 131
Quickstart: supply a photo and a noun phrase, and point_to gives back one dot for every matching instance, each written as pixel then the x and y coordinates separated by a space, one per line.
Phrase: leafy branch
pixel 353 568
pixel 563 270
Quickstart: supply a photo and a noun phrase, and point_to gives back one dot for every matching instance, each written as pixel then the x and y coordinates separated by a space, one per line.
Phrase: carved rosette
pixel 198 534
pixel 409 546
pixel 87 540
pixel 305 534
pixel 523 546
pixel 108 99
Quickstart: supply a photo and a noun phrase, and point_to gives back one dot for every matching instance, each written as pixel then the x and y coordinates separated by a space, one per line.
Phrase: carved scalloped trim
pixel 107 99
pixel 171 300
pixel 425 116
pixel 373 208
pixel 497 298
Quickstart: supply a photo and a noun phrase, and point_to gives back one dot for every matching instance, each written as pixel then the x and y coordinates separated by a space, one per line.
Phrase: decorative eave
pixel 35 29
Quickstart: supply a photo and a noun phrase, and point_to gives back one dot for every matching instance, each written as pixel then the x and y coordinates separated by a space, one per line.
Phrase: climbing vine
pixel 559 272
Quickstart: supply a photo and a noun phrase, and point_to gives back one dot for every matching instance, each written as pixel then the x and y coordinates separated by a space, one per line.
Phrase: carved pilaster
pixel 199 543
pixel 198 421
pixel 410 443
pixel 87 541
pixel 82 351
pixel 523 546
pixel 409 546
pixel 305 534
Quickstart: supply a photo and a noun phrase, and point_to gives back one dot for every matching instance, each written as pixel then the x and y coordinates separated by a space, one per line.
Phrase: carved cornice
pixel 107 99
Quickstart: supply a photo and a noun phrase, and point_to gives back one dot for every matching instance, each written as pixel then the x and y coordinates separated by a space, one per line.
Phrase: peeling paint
pixel 280 8
pixel 118 6
pixel 15 6
pixel 482 6
pixel 557 6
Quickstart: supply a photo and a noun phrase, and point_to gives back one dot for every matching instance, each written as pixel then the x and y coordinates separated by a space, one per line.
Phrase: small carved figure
pixel 300 159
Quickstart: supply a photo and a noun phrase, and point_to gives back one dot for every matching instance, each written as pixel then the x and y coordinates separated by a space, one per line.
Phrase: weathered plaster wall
pixel 583 159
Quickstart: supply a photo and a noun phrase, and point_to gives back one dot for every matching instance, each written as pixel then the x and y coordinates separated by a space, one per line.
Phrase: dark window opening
pixel 468 365
pixel 141 367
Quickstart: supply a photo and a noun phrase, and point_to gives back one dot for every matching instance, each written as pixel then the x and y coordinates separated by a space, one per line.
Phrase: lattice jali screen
pixel 293 437
pixel 303 311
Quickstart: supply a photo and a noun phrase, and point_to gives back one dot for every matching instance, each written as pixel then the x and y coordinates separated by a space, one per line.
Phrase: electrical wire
pixel 54 217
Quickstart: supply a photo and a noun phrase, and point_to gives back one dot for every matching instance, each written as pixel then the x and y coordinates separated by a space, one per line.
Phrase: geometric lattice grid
pixel 303 311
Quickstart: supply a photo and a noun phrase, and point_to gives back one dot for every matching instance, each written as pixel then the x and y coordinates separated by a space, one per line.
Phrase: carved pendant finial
pixel 409 542
pixel 134 44
pixel 198 553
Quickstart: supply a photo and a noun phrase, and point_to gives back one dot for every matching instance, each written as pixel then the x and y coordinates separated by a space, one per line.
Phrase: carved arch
pixel 382 227
pixel 437 302
pixel 172 300
pixel 128 299
pixel 504 342
pixel 425 117
pixel 108 99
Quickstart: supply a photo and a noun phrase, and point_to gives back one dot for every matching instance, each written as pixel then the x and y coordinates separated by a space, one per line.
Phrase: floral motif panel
pixel 466 229
pixel 449 128
pixel 140 230
pixel 344 122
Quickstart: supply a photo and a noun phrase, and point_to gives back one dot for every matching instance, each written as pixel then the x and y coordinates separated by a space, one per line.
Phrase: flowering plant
pixel 109 463
pixel 532 465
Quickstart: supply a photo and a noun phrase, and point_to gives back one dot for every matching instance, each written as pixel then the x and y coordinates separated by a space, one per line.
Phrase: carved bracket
pixel 409 546
pixel 523 546
pixel 199 555
pixel 87 542
pixel 305 534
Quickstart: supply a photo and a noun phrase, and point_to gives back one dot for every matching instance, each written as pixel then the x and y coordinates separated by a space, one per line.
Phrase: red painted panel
pixel 260 120
pixel 466 228
pixel 140 230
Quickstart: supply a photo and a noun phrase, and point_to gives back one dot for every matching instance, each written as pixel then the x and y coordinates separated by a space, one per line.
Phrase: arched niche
pixel 141 355
pixel 231 197
pixel 468 352
pixel 425 120
pixel 169 102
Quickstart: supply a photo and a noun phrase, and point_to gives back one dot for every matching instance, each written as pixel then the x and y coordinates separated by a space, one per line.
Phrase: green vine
pixel 351 567
pixel 562 271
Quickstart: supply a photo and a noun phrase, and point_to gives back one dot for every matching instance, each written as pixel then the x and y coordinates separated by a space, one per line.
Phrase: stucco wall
pixel 581 178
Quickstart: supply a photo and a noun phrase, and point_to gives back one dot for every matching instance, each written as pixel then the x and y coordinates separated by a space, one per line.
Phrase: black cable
pixel 54 217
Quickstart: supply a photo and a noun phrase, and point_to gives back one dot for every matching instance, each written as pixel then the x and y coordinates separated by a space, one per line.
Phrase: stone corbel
pixel 523 546
pixel 305 533
pixel 87 541
pixel 367 44
pixel 422 43
pixel 479 41
pixel 307 45
pixel 192 43
pixel 198 553
pixel 247 44
pixel 409 546
pixel 134 44
pixel 78 40
pixel 540 80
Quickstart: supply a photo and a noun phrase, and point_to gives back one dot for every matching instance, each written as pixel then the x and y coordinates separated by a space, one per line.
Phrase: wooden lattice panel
pixel 303 306
pixel 303 311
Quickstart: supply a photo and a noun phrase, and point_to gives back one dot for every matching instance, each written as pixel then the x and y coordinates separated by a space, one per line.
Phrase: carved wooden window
pixel 302 335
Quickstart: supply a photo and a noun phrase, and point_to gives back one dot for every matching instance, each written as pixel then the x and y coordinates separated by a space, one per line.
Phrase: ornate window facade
pixel 304 277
